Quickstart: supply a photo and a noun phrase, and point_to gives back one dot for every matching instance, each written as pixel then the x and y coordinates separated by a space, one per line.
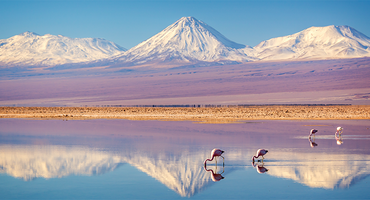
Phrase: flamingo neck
pixel 211 158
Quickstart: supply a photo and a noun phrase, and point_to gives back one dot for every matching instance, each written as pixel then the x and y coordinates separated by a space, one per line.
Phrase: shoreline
pixel 197 114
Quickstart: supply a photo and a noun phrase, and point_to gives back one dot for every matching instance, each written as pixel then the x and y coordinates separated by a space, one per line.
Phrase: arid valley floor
pixel 341 81
pixel 205 114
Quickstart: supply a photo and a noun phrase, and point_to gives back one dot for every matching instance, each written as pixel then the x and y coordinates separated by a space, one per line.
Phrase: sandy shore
pixel 208 114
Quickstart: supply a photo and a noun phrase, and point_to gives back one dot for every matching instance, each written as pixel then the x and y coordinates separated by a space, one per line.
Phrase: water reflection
pixel 312 142
pixel 181 173
pixel 260 167
pixel 215 176
pixel 181 167
pixel 321 170
pixel 31 162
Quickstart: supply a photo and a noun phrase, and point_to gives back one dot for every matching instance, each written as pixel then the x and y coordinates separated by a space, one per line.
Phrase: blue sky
pixel 129 22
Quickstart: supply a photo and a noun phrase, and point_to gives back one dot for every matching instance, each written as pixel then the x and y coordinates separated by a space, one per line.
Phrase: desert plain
pixel 300 89
pixel 199 114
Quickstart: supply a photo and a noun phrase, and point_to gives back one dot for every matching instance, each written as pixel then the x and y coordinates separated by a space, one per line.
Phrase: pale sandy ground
pixel 342 81
pixel 203 114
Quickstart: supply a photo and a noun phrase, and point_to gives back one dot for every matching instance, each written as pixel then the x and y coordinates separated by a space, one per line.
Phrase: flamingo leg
pixel 223 161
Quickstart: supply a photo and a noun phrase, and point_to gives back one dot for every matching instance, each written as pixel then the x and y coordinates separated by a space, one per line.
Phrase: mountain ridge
pixel 188 41
pixel 29 48
pixel 315 43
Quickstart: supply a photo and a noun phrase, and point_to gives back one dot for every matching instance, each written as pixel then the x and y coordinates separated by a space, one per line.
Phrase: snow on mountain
pixel 30 48
pixel 187 40
pixel 317 43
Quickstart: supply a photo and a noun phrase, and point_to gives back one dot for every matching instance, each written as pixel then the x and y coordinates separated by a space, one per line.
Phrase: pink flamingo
pixel 215 153
pixel 339 131
pixel 339 136
pixel 260 152
pixel 312 132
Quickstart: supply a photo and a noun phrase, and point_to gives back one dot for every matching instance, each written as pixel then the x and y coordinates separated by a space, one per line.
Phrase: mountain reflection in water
pixel 30 162
pixel 180 166
pixel 182 173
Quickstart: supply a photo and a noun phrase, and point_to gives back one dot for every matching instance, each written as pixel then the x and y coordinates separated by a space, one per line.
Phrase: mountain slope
pixel 30 48
pixel 316 42
pixel 187 40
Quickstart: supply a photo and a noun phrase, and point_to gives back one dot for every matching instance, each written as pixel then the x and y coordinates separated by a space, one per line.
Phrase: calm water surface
pixel 122 159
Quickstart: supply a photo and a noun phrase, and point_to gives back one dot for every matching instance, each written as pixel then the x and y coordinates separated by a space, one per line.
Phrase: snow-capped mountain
pixel 316 43
pixel 186 40
pixel 30 48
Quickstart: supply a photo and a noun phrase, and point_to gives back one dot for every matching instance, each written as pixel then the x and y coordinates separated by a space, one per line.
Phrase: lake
pixel 123 159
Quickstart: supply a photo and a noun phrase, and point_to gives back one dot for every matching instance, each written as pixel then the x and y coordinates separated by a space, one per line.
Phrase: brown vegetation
pixel 207 114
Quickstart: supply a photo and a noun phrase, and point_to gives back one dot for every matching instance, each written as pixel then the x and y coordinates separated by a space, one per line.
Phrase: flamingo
pixel 215 153
pixel 339 136
pixel 312 132
pixel 260 152
pixel 339 131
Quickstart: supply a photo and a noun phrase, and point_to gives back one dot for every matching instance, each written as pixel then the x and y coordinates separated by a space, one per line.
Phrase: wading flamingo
pixel 312 132
pixel 215 153
pixel 260 152
pixel 339 131
pixel 339 136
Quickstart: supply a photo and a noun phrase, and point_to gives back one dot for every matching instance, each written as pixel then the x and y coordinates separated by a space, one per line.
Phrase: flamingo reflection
pixel 260 152
pixel 312 143
pixel 260 167
pixel 338 135
pixel 215 176
pixel 214 154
